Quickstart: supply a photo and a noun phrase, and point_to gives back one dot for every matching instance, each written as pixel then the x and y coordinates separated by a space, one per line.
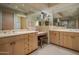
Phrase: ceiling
pixel 29 7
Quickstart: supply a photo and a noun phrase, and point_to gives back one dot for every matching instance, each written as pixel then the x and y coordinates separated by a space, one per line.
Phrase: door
pixel 0 19
pixel 23 22
pixel 7 22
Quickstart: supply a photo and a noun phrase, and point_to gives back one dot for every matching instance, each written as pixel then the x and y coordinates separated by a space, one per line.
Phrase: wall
pixel 18 23
pixel 0 20
pixel 31 20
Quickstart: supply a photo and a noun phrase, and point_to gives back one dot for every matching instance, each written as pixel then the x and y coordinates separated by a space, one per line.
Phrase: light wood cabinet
pixel 12 45
pixel 26 49
pixel 75 42
pixel 33 42
pixel 4 49
pixel 66 39
pixel 61 39
pixel 19 47
pixel 19 44
pixel 54 36
pixel 5 46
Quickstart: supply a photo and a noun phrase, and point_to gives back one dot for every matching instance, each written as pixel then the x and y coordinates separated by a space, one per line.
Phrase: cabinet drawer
pixel 4 40
pixel 13 38
pixel 20 36
pixel 17 37
pixel 76 34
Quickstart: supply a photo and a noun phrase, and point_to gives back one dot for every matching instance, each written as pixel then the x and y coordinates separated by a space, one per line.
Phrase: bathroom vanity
pixel 18 43
pixel 68 38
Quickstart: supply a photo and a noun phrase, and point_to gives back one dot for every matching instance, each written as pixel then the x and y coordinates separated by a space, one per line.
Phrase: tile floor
pixel 54 50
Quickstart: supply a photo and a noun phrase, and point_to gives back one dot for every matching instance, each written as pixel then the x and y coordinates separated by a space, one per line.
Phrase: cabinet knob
pixel 12 43
pixel 55 34
pixel 72 37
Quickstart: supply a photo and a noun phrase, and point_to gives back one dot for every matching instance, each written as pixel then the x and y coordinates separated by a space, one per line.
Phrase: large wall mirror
pixel 68 18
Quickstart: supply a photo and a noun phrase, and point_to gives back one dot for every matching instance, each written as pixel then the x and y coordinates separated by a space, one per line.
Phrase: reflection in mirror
pixel 66 19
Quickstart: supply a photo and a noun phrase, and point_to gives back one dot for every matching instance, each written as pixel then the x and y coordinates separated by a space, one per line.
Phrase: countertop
pixel 13 33
pixel 41 33
pixel 66 30
pixel 10 33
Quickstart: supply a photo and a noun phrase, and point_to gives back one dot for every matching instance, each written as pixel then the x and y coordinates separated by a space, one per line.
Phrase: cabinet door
pixel 50 34
pixel 33 42
pixel 57 38
pixel 61 38
pixel 4 49
pixel 26 48
pixel 54 37
pixel 19 47
pixel 65 40
pixel 68 39
pixel 76 42
pixel 5 46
